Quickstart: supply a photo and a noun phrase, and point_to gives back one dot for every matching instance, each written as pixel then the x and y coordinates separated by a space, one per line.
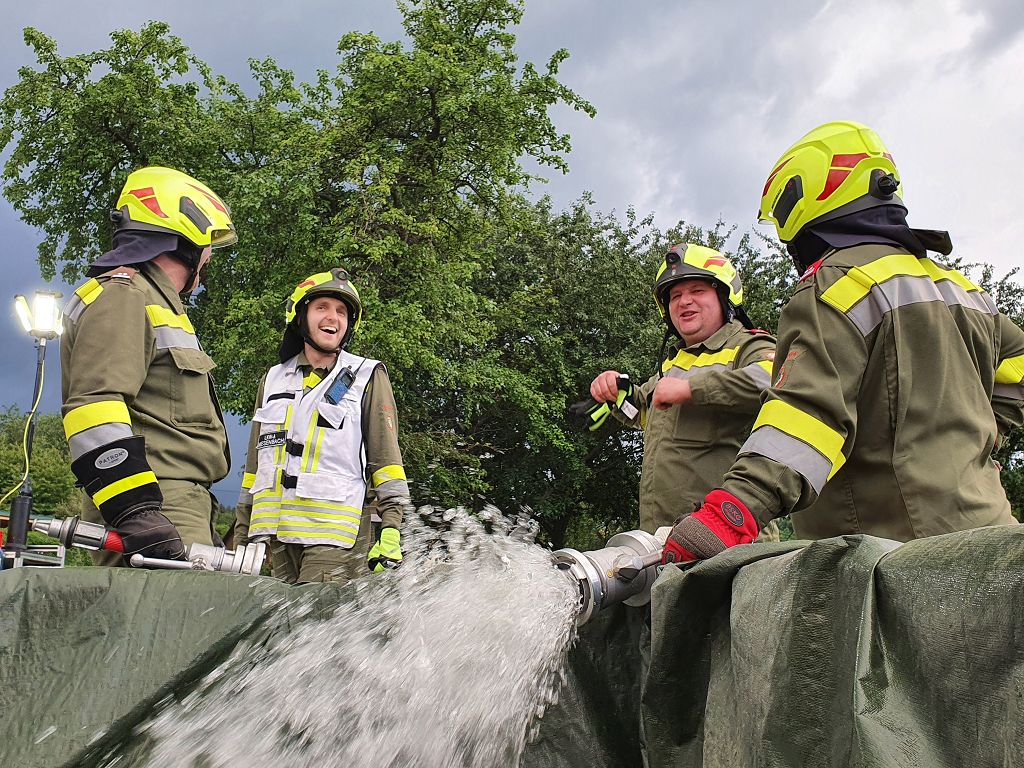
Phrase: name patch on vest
pixel 271 439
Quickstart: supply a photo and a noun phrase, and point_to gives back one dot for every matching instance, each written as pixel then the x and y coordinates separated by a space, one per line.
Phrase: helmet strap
pixel 669 333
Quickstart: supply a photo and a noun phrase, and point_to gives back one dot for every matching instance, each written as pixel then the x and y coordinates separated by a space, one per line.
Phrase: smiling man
pixel 324 431
pixel 699 408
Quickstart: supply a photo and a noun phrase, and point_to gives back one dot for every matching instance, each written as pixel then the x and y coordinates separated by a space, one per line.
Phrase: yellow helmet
pixel 687 261
pixel 157 199
pixel 836 169
pixel 335 283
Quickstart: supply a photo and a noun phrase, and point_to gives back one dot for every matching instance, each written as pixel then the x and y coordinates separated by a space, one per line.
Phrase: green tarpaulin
pixel 847 652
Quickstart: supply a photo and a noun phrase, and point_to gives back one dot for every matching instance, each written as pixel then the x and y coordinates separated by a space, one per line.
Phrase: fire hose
pixel 75 532
pixel 622 572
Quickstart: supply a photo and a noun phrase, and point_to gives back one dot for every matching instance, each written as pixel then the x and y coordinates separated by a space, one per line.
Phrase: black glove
pixel 588 414
pixel 150 534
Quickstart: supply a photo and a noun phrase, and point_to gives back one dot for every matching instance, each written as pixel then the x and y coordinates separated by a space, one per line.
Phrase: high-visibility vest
pixel 311 469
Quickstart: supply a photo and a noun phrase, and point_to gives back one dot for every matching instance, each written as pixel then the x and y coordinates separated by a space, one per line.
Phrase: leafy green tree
pixel 53 484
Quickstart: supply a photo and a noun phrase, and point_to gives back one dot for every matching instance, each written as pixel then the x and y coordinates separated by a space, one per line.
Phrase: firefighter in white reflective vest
pixel 325 430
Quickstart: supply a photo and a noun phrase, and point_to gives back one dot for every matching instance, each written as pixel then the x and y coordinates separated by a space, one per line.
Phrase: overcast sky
pixel 695 102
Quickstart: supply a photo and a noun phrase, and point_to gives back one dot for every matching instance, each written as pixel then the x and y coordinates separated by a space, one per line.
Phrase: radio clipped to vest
pixel 340 386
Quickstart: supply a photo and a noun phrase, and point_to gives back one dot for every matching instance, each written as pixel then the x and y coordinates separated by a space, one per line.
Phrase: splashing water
pixel 446 661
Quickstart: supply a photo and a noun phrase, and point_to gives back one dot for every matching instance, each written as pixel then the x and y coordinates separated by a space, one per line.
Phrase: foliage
pixel 53 484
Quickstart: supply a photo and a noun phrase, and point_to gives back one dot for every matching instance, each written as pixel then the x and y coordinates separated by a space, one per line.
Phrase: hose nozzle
pixel 622 572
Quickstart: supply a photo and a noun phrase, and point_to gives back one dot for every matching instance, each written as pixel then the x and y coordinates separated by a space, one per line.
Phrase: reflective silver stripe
pixel 167 337
pixel 96 437
pixel 392 489
pixel 904 290
pixel 1009 391
pixel 74 309
pixel 759 375
pixel 244 497
pixel 697 370
pixel 776 445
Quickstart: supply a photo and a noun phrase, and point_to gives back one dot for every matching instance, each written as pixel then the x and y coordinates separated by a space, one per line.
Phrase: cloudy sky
pixel 695 102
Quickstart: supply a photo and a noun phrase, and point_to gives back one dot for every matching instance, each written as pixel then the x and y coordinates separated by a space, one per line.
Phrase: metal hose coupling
pixel 204 557
pixel 622 572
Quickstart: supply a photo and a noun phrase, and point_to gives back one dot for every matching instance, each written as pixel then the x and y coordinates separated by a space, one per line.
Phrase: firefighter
pixel 325 430
pixel 144 428
pixel 704 398
pixel 894 379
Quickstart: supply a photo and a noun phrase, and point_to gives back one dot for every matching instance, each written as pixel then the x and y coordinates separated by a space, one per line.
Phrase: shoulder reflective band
pixel 85 295
pixel 899 280
pixel 796 439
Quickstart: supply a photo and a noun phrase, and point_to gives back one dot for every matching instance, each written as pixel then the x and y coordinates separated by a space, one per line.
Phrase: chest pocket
pixel 336 444
pixel 191 399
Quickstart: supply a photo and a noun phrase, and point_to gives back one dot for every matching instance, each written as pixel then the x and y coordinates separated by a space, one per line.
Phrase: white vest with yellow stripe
pixel 310 477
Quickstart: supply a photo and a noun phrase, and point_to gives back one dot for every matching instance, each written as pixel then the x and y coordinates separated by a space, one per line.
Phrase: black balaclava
pixel 881 225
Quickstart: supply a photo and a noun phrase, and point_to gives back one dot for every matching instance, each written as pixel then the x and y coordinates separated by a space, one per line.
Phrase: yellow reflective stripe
pixel 858 282
pixel 311 380
pixel 284 530
pixel 317 445
pixel 766 364
pixel 248 479
pixel 321 505
pixel 307 449
pixel 803 426
pixel 390 472
pixel 94 414
pixel 688 360
pixel 124 484
pixel 1011 371
pixel 162 316
pixel 89 291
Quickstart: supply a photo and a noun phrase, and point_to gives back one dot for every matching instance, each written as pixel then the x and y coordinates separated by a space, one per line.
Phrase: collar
pixel 162 282
pixel 717 341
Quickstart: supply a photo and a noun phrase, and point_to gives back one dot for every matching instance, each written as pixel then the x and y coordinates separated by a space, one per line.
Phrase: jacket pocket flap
pixel 192 360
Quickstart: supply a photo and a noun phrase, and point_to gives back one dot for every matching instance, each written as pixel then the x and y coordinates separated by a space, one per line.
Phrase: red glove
pixel 724 521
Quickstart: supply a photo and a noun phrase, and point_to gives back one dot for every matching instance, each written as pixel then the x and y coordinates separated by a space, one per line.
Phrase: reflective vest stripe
pixel 94 415
pixel 165 317
pixel 124 484
pixel 314 537
pixel 310 443
pixel 783 433
pixel 96 437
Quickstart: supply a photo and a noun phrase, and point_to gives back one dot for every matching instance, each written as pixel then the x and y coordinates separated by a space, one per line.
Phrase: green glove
pixel 387 552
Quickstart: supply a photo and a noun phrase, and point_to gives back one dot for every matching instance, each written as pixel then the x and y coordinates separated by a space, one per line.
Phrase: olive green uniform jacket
pixel 131 365
pixel 688 448
pixel 893 379
pixel 380 439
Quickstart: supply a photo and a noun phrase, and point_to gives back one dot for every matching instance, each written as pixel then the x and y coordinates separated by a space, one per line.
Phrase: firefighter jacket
pixel 317 437
pixel 138 398
pixel 688 448
pixel 893 379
